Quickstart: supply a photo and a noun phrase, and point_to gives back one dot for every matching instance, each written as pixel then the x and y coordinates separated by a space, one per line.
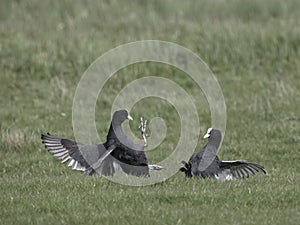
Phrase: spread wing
pixel 80 156
pixel 238 169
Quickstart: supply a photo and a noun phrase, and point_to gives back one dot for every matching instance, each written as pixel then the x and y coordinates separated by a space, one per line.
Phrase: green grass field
pixel 253 48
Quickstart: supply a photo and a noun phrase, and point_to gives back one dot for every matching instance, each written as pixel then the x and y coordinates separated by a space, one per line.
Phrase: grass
pixel 253 48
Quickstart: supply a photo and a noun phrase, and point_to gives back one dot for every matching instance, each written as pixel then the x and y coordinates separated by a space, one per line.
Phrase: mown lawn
pixel 252 47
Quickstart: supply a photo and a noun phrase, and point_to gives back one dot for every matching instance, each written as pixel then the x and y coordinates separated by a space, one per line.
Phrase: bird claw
pixel 142 127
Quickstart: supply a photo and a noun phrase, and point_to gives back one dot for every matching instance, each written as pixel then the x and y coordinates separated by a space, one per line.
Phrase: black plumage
pixel 206 163
pixel 118 152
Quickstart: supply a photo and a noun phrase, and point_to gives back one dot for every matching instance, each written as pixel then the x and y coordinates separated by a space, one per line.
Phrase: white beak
pixel 129 117
pixel 206 135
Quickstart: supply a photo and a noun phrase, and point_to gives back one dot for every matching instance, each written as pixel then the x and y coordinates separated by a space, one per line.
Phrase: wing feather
pixel 240 168
pixel 78 156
